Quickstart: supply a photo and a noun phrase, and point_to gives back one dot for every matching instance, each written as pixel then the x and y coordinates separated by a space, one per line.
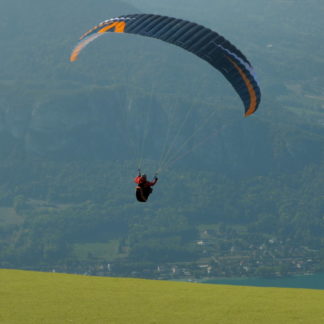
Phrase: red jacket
pixel 139 181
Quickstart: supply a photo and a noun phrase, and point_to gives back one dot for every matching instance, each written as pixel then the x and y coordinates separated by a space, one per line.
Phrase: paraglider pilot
pixel 143 190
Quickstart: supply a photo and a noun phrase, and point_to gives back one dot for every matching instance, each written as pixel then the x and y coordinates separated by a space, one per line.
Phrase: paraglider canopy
pixel 199 40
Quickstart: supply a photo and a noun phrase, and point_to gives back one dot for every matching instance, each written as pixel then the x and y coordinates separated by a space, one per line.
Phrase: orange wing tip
pixel 248 113
pixel 73 57
pixel 75 54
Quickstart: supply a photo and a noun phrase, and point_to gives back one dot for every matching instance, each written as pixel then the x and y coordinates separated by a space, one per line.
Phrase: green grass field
pixel 33 297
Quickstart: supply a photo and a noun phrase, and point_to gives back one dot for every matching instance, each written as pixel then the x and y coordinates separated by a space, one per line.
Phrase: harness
pixel 140 194
pixel 143 191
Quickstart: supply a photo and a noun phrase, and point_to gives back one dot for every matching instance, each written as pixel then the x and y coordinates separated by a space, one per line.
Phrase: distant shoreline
pixel 308 281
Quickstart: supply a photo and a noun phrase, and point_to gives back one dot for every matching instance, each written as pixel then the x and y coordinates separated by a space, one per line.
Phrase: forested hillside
pixel 236 196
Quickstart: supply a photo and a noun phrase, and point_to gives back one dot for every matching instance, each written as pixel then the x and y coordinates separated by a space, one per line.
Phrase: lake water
pixel 315 281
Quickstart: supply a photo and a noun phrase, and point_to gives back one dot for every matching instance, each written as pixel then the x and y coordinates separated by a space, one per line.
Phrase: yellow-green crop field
pixel 34 297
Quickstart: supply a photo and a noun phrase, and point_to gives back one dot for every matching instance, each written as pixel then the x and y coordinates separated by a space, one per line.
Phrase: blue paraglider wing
pixel 199 40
